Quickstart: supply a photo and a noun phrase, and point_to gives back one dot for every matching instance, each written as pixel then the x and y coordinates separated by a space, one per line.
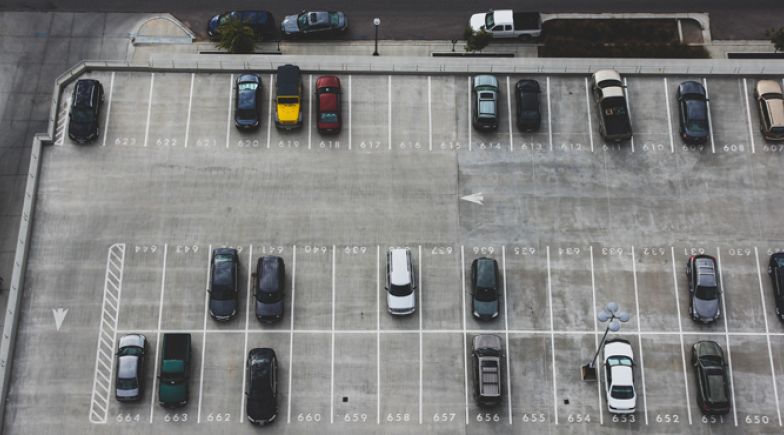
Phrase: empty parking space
pixel 573 123
pixel 753 383
pixel 355 383
pixel 211 111
pixel 575 402
pixel 399 381
pixel 311 380
pixel 142 274
pixel 658 300
pixel 729 115
pixel 650 114
pixel 314 288
pixel 443 380
pixel 571 288
pixel 357 274
pixel 129 107
pixel 184 296
pixel 411 113
pixel 667 393
pixel 741 289
pixel 531 380
pixel 615 281
pixel 527 304
pixel 220 386
pixel 441 299
pixel 450 120
pixel 168 115
pixel 370 115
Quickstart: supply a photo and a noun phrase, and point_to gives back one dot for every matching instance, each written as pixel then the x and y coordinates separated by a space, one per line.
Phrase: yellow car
pixel 288 97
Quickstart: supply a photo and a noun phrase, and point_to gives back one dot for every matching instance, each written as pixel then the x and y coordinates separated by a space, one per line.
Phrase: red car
pixel 328 104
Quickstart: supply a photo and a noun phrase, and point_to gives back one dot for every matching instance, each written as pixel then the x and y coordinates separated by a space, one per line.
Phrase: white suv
pixel 619 376
pixel 400 285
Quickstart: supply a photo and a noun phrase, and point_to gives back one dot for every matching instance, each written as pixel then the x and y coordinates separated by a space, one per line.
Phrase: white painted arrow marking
pixel 476 198
pixel 59 316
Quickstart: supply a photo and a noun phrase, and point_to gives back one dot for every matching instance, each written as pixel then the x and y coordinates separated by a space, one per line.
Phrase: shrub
pixel 236 36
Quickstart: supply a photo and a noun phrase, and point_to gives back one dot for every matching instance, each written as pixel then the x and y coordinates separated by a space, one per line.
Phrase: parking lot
pixel 124 228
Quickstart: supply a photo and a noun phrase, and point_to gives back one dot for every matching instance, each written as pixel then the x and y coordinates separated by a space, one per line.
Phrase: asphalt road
pixel 434 19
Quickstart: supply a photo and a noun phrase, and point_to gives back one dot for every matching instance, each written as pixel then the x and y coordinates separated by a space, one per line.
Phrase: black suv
pixel 527 101
pixel 776 272
pixel 704 293
pixel 484 288
pixel 85 110
pixel 224 297
pixel 262 386
pixel 711 374
pixel 270 277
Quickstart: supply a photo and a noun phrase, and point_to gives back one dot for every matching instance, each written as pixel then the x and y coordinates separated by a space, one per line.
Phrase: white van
pixel 400 285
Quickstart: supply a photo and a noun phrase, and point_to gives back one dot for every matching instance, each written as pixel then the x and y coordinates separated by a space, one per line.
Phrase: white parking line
pixel 389 111
pixel 310 109
pixel 710 119
pixel 204 331
pixel 506 335
pixel 190 105
pixel 429 114
pixel 349 113
pixel 552 337
pixel 465 339
pixel 748 115
pixel 378 334
pixel 228 109
pixel 639 337
pixel 158 331
pixel 680 331
pixel 549 116
pixel 269 109
pixel 419 294
pixel 149 109
pixel 291 327
pixel 669 114
pixel 588 109
pixel 629 109
pixel 596 336
pixel 469 129
pixel 727 336
pixel 770 350
pixel 509 112
pixel 247 320
pixel 332 357
pixel 108 110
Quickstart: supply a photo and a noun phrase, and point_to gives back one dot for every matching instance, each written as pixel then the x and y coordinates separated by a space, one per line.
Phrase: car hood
pixel 477 21
pixel 222 307
pixel 269 310
pixel 212 25
pixel 289 24
pixel 401 302
pixel 706 309
pixel 288 112
pixel 485 309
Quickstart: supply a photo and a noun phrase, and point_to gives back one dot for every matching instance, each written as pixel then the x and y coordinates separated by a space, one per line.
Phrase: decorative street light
pixel 376 23
pixel 614 317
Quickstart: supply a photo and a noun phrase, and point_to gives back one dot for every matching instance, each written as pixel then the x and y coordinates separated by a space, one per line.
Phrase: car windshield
pixel 126 384
pixel 269 298
pixel 329 117
pixel 619 361
pixel 487 108
pixel 334 19
pixel 489 22
pixel 302 21
pixel 622 392
pixel 697 126
pixel 288 100
pixel 706 293
pixel 222 258
pixel 131 350
pixel 486 294
pixel 246 114
pixel 400 290
pixel 777 130
pixel 80 114
pixel 248 86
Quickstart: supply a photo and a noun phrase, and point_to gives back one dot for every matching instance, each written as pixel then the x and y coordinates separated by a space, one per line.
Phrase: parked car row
pixel 304 23
pixel 608 88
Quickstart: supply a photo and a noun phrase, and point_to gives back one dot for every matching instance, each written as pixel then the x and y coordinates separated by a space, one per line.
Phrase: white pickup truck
pixel 505 23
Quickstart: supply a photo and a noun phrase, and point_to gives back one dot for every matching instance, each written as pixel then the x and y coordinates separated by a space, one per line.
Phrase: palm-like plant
pixel 236 36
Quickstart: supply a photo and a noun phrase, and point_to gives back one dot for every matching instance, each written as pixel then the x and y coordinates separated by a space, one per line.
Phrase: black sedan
pixel 262 23
pixel 710 371
pixel 527 99
pixel 224 296
pixel 693 107
pixel 247 113
pixel 262 386
pixel 704 292
pixel 776 273
pixel 306 23
pixel 85 110
pixel 270 276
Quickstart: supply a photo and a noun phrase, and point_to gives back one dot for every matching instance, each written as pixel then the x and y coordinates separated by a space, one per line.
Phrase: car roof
pixel 502 16
pixel 768 86
pixel 83 91
pixel 328 102
pixel 127 366
pixel 267 270
pixel 399 273
pixel 606 74
pixel 622 375
pixel 485 80
pixel 485 272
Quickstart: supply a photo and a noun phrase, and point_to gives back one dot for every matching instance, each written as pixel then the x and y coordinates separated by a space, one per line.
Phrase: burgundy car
pixel 328 104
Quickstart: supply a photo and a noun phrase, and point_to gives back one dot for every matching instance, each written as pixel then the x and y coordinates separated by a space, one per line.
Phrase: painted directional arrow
pixel 59 316
pixel 476 198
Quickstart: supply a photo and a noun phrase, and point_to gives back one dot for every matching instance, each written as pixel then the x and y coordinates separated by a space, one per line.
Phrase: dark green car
pixel 484 288
pixel 484 102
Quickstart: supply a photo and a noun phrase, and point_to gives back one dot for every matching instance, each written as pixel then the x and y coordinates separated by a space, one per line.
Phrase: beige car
pixel 771 108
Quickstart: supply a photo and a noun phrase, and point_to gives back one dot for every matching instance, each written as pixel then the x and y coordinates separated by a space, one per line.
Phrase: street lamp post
pixel 376 23
pixel 614 317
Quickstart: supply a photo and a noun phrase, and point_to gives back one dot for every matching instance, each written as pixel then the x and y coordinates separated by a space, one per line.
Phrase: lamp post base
pixel 588 373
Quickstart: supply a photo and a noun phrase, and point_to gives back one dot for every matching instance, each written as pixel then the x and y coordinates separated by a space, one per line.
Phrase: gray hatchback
pixel 129 386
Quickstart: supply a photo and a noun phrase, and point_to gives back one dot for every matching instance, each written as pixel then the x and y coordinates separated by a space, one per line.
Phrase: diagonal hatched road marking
pixel 107 334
